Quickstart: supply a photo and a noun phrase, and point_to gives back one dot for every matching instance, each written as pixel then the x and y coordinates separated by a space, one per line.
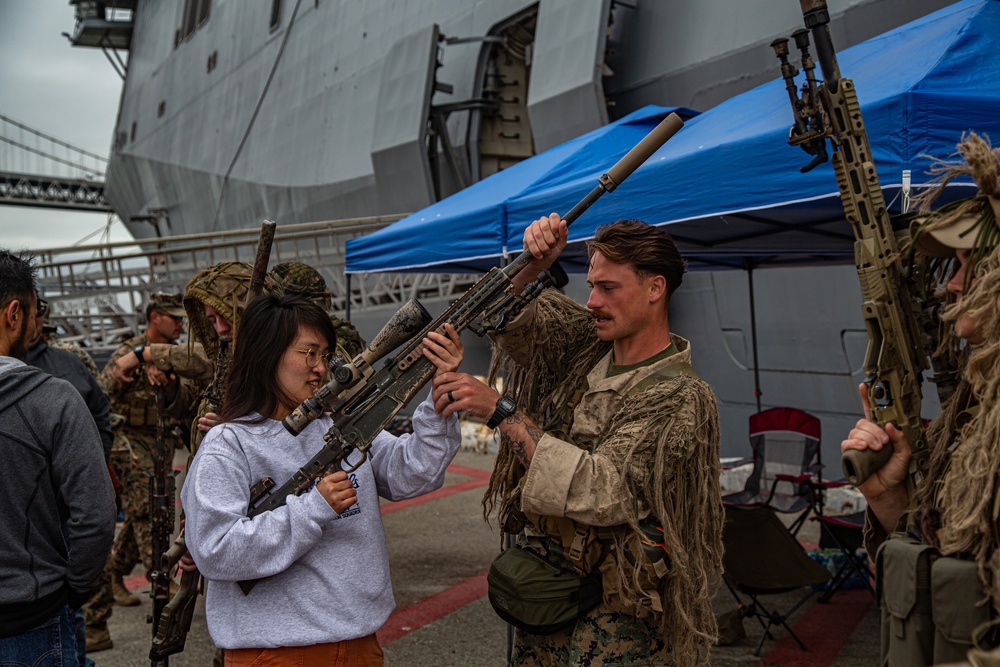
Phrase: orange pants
pixel 363 652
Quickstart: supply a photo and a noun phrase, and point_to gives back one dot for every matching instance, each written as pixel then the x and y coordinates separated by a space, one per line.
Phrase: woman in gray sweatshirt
pixel 322 556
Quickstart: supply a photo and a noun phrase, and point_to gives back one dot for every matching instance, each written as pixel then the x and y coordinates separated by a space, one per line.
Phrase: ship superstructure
pixel 236 111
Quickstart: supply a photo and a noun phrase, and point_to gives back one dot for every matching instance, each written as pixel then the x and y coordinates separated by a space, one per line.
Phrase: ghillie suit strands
pixel 663 439
pixel 224 287
pixel 963 481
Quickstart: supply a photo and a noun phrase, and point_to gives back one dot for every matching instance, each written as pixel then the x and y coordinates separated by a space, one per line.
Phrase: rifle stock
pixel 175 618
pixel 365 402
pixel 259 273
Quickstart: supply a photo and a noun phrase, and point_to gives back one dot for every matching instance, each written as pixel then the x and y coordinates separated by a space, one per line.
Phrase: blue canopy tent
pixel 728 185
pixel 471 224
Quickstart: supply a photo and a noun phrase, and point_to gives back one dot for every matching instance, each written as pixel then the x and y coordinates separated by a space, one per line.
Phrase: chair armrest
pixel 837 484
pixel 795 479
pixel 729 465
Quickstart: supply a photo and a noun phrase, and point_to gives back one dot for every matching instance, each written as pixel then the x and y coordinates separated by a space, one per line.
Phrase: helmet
pixel 303 280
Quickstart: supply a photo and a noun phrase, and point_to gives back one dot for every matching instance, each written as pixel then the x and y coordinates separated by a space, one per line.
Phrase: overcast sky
pixel 64 91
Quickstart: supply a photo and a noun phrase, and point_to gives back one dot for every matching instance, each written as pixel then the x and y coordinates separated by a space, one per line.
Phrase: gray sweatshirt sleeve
pixel 414 464
pixel 81 478
pixel 225 544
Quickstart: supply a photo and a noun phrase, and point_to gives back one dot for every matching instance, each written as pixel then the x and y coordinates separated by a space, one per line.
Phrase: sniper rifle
pixel 363 400
pixel 900 334
pixel 161 494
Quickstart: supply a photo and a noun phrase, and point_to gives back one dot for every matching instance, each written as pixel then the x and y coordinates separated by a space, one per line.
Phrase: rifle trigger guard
pixel 364 457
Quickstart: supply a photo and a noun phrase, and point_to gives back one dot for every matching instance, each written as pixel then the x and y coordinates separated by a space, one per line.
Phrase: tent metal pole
pixel 748 263
pixel 347 305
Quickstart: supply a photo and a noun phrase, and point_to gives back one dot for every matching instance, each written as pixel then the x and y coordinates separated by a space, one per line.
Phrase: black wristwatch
pixel 505 408
pixel 138 350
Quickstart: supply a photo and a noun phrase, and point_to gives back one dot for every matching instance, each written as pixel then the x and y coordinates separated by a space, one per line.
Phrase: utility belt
pixel 934 608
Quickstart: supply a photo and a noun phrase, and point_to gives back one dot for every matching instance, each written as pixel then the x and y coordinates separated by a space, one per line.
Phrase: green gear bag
pixel 538 596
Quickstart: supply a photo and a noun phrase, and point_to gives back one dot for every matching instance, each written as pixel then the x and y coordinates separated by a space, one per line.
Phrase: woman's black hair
pixel 268 326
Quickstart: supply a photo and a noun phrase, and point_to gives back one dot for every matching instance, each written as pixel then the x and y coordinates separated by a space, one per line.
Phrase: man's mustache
pixel 600 315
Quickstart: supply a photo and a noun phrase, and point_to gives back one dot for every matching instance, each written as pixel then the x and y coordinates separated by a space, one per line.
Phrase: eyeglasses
pixel 313 357
pixel 43 306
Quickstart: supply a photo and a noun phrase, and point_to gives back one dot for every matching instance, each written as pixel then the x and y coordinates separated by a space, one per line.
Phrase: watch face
pixel 506 403
pixel 505 408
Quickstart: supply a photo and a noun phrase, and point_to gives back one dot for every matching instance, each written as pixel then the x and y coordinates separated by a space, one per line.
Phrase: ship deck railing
pixel 97 293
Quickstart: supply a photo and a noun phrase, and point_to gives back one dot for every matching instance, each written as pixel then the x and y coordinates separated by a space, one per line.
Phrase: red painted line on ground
pixel 417 615
pixel 444 492
pixel 824 629
pixel 469 472
pixel 136 582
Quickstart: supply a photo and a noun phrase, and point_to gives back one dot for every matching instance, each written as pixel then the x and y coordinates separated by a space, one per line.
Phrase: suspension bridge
pixel 38 169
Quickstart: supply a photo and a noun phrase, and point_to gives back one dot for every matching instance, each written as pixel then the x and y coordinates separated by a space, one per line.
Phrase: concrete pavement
pixel 439 550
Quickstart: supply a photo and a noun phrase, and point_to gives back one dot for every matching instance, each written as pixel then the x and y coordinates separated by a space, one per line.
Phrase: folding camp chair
pixel 786 464
pixel 846 534
pixel 763 558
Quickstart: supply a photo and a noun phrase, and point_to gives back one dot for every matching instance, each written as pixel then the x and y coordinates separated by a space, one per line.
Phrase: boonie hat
pixel 944 241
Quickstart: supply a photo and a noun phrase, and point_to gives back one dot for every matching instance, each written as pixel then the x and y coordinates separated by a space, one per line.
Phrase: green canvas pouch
pixel 960 606
pixel 904 574
pixel 538 596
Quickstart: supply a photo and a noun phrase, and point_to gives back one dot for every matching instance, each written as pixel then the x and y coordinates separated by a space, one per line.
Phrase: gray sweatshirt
pixel 328 573
pixel 55 482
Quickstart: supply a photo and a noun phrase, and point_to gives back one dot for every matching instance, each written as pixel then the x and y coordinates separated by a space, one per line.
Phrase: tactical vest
pixel 585 548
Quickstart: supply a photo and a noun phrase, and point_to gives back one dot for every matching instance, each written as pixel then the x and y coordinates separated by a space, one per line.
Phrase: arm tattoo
pixel 519 447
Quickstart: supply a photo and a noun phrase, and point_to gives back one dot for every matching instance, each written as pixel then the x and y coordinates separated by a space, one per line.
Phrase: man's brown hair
pixel 647 249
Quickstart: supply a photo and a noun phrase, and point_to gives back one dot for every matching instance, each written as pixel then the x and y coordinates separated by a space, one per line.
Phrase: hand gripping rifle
pixel 174 623
pixel 897 346
pixel 363 400
pixel 161 495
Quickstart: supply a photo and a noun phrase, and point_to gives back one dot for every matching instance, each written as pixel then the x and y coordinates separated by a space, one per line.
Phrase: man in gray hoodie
pixel 59 506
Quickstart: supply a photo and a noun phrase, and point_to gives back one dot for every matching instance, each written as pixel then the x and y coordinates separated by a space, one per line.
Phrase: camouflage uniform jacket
pixel 136 400
pixel 627 455
pixel 189 361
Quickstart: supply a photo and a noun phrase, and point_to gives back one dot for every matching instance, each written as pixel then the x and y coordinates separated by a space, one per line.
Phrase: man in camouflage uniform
pixel 609 456
pixel 136 401
pixel 213 302
pixel 304 280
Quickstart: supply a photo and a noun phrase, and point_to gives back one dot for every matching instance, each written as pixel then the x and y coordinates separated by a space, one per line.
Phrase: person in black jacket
pixel 60 363
pixel 70 363
pixel 59 506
